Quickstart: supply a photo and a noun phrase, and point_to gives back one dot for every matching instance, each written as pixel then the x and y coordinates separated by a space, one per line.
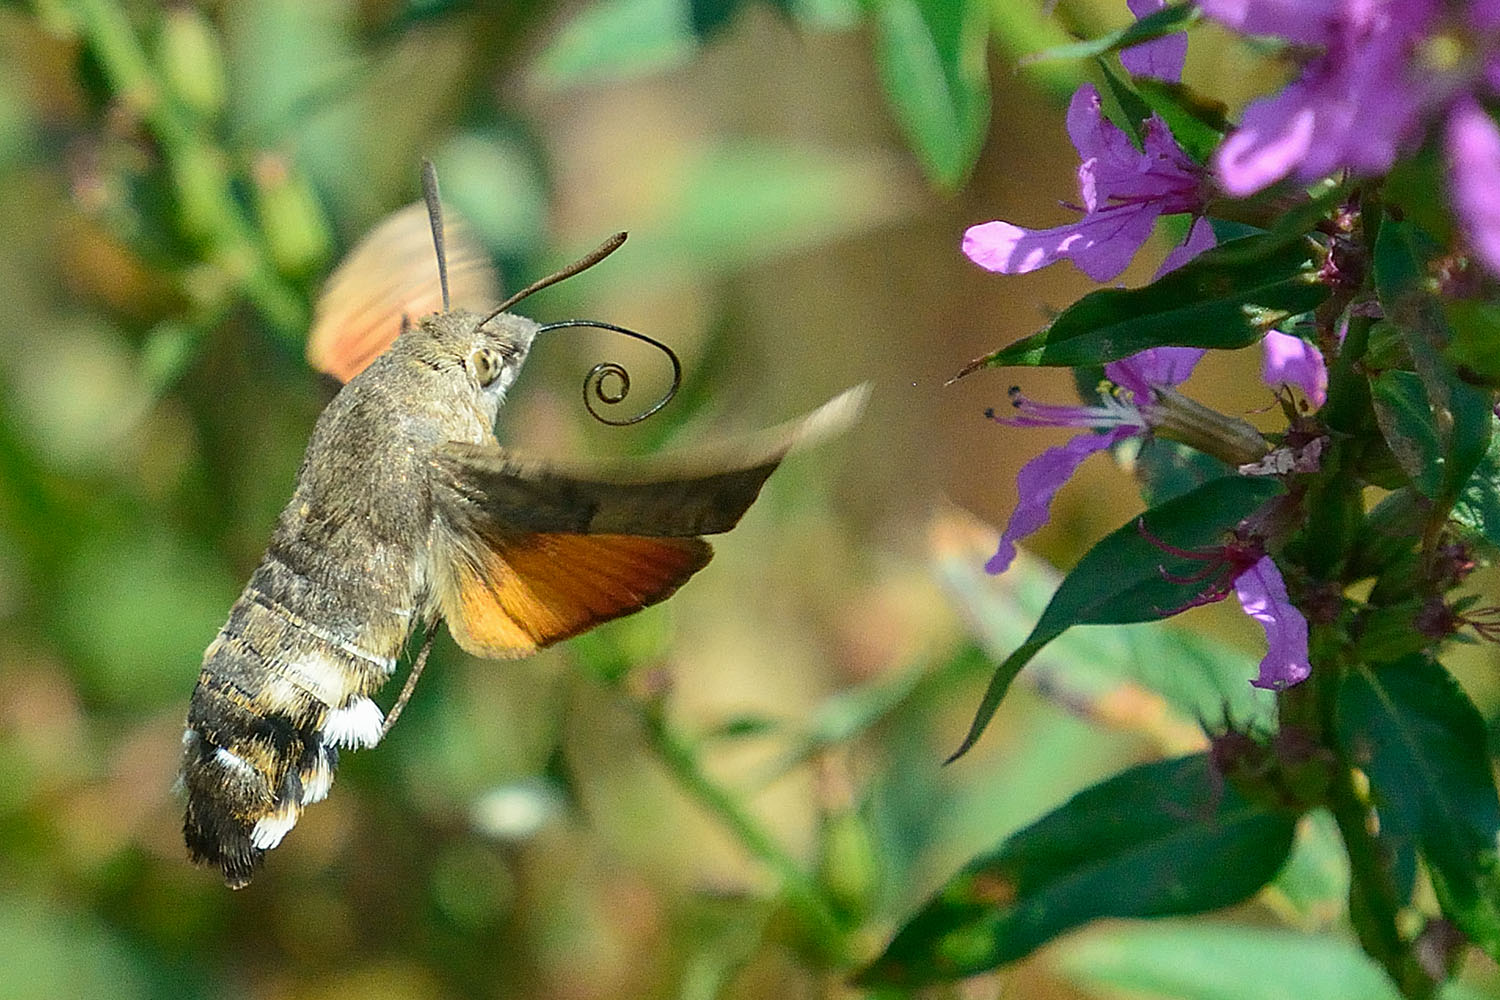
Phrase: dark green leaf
pixel 1128 577
pixel 1461 414
pixel 1408 423
pixel 1132 111
pixel 1420 740
pixel 1474 349
pixel 931 55
pixel 1169 469
pixel 1478 505
pixel 1164 838
pixel 1227 297
pixel 1164 22
pixel 708 17
pixel 1197 123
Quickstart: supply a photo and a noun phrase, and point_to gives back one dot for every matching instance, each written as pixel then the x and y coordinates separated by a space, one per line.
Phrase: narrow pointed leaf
pixel 1170 837
pixel 1163 22
pixel 1128 577
pixel 1227 297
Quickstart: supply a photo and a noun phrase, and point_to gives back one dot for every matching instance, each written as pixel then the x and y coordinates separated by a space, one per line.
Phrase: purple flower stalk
pixel 1382 72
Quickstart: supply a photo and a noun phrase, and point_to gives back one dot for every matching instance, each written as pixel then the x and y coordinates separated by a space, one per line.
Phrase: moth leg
pixel 411 683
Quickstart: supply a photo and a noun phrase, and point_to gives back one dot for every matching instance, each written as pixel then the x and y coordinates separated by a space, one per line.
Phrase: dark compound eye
pixel 485 363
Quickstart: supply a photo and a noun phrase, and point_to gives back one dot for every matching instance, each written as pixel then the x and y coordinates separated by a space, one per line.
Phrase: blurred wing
pixel 530 552
pixel 675 495
pixel 391 274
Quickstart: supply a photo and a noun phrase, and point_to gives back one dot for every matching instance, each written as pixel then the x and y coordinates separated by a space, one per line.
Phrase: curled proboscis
pixel 597 383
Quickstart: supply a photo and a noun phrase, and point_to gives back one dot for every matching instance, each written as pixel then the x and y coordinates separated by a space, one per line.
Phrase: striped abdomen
pixel 277 696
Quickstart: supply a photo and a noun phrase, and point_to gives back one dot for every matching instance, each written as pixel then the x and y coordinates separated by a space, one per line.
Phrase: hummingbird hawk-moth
pixel 407 511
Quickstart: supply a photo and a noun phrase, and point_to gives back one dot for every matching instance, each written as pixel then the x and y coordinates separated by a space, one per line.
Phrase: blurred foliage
pixel 738 794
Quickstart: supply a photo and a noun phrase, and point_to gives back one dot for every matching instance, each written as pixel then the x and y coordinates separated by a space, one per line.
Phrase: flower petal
pixel 1294 361
pixel 1473 146
pixel 1262 594
pixel 1153 368
pixel 1200 237
pixel 1039 481
pixel 1161 58
pixel 1274 136
pixel 1101 244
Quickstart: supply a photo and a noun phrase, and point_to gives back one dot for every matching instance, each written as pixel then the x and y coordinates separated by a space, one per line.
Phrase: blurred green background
pixel 738 794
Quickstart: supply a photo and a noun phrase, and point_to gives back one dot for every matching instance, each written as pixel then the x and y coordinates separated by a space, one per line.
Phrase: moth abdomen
pixel 275 700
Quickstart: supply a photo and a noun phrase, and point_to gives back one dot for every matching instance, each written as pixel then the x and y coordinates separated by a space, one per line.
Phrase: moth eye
pixel 486 365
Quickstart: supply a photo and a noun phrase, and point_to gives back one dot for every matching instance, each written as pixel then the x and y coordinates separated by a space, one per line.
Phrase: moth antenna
pixel 582 264
pixel 435 220
pixel 594 381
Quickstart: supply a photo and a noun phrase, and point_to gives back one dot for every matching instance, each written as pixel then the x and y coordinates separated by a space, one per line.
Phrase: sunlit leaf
pixel 1128 576
pixel 1164 838
pixel 1227 297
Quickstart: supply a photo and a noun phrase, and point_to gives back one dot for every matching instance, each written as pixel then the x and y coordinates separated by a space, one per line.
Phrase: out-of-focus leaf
pixel 1164 838
pixel 1474 349
pixel 615 40
pixel 140 611
pixel 1203 960
pixel 1163 22
pixel 931 55
pixel 1128 577
pixel 745 202
pixel 48 955
pixel 1164 681
pixel 1314 884
pixel 499 188
pixel 1169 469
pixel 1225 298
pixel 1460 414
pixel 1411 728
pixel 709 17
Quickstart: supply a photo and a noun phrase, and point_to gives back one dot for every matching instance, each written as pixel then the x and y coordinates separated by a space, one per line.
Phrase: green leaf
pixel 1160 839
pixel 1128 577
pixel 1410 428
pixel 1228 297
pixel 1478 505
pixel 1474 349
pixel 931 55
pixel 616 40
pixel 709 17
pixel 1201 960
pixel 1163 22
pixel 1201 679
pixel 1132 110
pixel 1198 123
pixel 1420 740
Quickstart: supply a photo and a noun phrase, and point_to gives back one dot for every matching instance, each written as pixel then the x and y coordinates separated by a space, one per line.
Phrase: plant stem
pixel 209 213
pixel 799 888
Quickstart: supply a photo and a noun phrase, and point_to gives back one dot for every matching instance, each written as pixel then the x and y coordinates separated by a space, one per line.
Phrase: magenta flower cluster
pixel 1377 77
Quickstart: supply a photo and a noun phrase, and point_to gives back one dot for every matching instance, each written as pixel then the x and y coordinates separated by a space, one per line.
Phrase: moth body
pixel 345 579
pixel 407 510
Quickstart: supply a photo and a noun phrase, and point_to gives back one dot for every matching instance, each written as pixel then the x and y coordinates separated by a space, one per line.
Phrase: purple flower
pixel 1242 566
pixel 1161 58
pixel 1292 360
pixel 1262 593
pixel 1124 191
pixel 1368 93
pixel 1126 409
